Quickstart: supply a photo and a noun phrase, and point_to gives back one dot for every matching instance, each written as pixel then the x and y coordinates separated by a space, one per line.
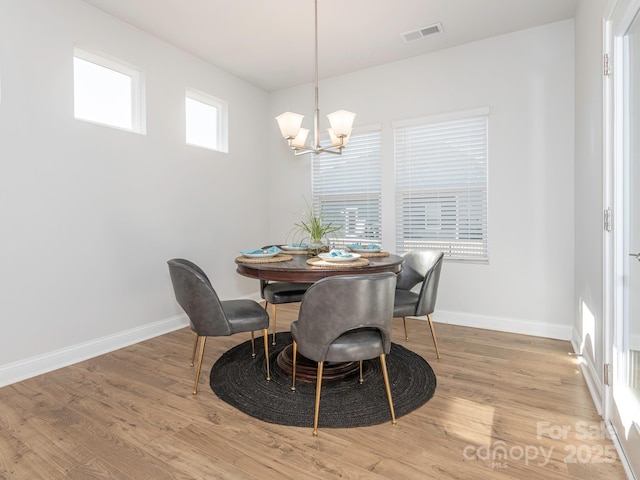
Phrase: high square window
pixel 107 92
pixel 206 121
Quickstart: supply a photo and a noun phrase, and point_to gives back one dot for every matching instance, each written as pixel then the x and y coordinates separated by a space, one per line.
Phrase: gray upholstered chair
pixel 420 266
pixel 277 293
pixel 211 317
pixel 345 318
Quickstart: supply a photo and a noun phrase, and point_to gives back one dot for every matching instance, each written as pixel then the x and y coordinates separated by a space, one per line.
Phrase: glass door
pixel 623 396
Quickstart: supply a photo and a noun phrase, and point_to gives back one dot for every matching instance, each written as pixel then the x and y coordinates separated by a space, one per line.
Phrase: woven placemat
pixel 318 262
pixel 379 254
pixel 281 257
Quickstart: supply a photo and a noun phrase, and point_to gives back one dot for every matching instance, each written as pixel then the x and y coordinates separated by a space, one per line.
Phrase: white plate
pixel 364 250
pixel 259 255
pixel 292 248
pixel 327 257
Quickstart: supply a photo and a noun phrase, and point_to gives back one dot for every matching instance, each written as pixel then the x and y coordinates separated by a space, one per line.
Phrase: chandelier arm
pixel 305 151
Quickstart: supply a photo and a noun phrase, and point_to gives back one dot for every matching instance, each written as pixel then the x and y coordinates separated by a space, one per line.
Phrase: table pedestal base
pixel 306 370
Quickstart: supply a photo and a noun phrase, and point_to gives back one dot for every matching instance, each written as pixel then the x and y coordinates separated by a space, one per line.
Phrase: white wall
pixel 527 80
pixel 588 334
pixel 90 214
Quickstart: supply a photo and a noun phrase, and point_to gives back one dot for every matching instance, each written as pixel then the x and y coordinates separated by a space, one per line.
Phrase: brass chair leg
pixel 195 346
pixel 295 353
pixel 195 385
pixel 383 363
pixel 404 321
pixel 265 334
pixel 433 334
pixel 317 409
pixel 253 346
pixel 361 379
pixel 273 308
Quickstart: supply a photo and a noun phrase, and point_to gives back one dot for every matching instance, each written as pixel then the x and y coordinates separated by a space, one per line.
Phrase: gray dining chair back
pixel 279 293
pixel 345 318
pixel 211 317
pixel 198 299
pixel 420 266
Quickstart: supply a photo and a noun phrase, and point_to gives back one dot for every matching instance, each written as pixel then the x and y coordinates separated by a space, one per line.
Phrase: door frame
pixel 619 13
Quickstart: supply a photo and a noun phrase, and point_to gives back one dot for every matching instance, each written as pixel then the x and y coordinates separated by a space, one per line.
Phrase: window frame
pixel 138 120
pixel 459 199
pixel 222 119
pixel 367 196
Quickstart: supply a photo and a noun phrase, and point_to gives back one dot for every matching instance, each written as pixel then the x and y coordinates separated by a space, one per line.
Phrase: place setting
pixel 367 250
pixel 271 254
pixel 296 248
pixel 338 258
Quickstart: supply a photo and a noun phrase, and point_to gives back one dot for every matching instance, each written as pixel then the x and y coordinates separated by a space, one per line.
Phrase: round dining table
pixel 297 269
pixel 305 268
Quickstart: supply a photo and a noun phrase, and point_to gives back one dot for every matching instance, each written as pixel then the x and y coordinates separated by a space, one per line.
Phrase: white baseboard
pixel 511 325
pixel 47 362
pixel 589 373
pixel 621 453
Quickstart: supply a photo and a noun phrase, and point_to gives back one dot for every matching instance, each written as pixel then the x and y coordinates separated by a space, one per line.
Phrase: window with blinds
pixel 346 189
pixel 441 185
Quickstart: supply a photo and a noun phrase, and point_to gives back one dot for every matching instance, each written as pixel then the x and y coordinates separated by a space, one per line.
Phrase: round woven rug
pixel 240 381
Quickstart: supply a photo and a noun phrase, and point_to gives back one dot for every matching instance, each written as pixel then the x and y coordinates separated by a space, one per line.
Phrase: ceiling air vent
pixel 421 32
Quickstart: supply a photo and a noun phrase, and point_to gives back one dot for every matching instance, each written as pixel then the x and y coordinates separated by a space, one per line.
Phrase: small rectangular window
pixel 205 121
pixel 107 92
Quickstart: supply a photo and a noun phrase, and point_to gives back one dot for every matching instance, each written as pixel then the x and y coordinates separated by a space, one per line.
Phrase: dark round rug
pixel 240 381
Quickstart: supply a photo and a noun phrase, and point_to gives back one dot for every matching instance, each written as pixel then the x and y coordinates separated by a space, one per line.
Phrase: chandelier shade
pixel 289 124
pixel 341 121
pixel 300 139
pixel 338 141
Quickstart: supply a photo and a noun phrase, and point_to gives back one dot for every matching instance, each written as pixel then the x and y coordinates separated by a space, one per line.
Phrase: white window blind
pixel 441 187
pixel 346 189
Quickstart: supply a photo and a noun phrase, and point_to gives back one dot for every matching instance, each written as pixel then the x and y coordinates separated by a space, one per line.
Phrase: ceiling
pixel 270 43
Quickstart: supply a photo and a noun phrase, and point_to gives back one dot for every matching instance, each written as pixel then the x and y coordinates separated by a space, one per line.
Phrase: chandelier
pixel 341 122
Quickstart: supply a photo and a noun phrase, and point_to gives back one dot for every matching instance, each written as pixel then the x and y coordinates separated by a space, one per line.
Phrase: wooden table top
pixel 297 269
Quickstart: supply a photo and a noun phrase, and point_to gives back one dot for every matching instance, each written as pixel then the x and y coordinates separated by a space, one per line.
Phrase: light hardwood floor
pixel 130 414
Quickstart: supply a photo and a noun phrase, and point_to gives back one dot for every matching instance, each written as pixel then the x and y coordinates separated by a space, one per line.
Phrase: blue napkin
pixel 258 251
pixel 358 246
pixel 298 245
pixel 340 254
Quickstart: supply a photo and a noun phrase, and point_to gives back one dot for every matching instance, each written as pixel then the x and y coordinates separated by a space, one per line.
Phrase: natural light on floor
pixel 588 329
pixel 479 428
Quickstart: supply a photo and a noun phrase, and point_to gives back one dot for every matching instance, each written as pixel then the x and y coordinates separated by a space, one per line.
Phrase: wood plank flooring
pixel 506 407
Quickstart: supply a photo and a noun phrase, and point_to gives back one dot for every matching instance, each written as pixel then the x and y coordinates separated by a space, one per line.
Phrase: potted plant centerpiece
pixel 314 230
